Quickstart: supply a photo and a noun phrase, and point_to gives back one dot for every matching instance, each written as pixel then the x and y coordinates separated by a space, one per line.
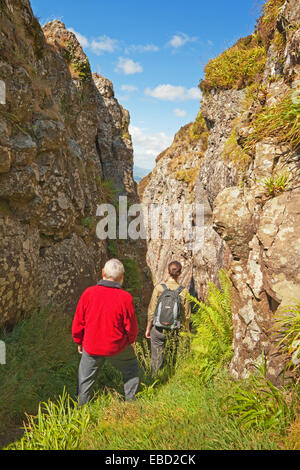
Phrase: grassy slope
pixel 182 414
pixel 179 412
pixel 184 409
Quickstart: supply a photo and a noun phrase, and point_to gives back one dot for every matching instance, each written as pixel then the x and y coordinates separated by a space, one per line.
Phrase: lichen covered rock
pixel 62 134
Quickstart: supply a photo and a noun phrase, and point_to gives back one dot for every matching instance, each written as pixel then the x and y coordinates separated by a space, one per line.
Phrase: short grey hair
pixel 114 269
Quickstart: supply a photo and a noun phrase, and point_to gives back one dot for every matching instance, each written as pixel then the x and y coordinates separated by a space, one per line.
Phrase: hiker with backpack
pixel 169 310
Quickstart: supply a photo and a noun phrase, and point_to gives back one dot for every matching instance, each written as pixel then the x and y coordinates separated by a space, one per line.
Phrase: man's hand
pixel 80 349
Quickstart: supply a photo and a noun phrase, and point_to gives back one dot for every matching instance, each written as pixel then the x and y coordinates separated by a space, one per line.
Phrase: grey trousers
pixel 125 362
pixel 158 343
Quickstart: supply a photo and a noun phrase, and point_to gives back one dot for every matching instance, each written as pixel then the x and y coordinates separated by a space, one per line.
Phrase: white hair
pixel 114 269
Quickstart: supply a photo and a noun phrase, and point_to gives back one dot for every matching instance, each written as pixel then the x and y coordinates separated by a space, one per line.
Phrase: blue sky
pixel 154 52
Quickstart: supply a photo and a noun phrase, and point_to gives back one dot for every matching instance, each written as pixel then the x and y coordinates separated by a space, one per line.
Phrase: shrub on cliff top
pixel 242 64
pixel 237 67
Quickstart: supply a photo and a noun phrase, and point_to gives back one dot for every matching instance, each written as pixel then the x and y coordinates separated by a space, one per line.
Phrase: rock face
pixel 172 182
pixel 64 144
pixel 193 171
pixel 250 231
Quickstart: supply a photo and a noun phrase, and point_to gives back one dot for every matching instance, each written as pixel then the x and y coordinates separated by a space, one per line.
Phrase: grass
pixel 266 24
pixel 280 121
pixel 233 152
pixel 198 130
pixel 81 67
pixel 132 277
pixel 107 191
pixel 65 416
pixel 257 402
pixel 292 440
pixel 41 361
pixel 182 414
pixel 244 63
pixel 275 185
pixel 192 403
pixel 187 176
pixel 237 67
pixel 88 222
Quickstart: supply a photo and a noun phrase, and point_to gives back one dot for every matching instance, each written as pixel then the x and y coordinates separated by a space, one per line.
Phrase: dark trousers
pixel 158 339
pixel 125 362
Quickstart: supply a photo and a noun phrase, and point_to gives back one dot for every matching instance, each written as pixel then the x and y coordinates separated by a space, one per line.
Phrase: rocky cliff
pixel 64 149
pixel 247 179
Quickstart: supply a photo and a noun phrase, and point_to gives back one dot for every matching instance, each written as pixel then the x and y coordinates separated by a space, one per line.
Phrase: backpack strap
pixel 164 286
pixel 180 289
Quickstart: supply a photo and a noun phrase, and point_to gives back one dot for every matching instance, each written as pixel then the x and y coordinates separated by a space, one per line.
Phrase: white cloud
pixel 104 44
pixel 148 146
pixel 99 45
pixel 141 48
pixel 129 88
pixel 173 93
pixel 81 39
pixel 179 112
pixel 180 39
pixel 128 66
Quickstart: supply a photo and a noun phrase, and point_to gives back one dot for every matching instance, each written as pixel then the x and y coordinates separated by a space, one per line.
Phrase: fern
pixel 287 330
pixel 212 343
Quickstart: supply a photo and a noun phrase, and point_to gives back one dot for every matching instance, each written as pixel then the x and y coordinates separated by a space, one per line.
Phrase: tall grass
pixel 276 184
pixel 57 426
pixel 177 350
pixel 183 415
pixel 237 67
pixel 281 121
pixel 234 153
pixel 267 22
pixel 258 403
pixel 41 361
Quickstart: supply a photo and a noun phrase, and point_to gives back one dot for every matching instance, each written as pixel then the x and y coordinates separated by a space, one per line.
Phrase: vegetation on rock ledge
pixel 236 67
pixel 281 121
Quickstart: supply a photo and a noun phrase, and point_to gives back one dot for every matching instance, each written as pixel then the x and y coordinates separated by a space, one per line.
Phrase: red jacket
pixel 105 322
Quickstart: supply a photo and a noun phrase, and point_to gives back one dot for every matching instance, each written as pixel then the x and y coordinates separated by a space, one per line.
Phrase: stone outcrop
pixel 172 182
pixel 193 170
pixel 64 146
pixel 251 232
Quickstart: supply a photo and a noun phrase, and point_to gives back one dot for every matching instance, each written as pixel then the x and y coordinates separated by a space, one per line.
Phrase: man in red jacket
pixel 105 327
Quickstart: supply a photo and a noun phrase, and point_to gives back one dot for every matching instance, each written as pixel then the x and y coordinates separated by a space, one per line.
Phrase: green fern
pixel 287 330
pixel 212 343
